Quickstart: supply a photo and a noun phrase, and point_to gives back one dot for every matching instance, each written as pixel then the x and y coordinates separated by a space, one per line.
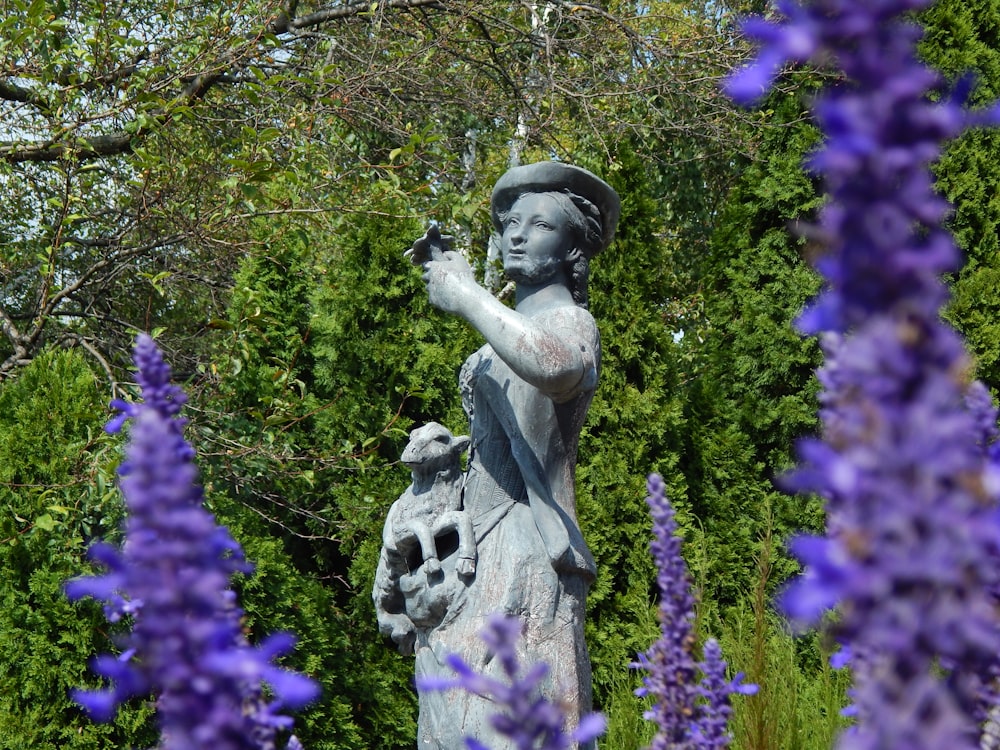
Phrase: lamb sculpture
pixel 428 509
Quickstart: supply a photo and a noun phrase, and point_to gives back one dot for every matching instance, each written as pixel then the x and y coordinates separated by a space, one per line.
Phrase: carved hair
pixel 585 223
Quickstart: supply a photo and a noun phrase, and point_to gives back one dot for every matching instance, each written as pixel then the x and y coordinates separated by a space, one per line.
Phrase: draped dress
pixel 532 561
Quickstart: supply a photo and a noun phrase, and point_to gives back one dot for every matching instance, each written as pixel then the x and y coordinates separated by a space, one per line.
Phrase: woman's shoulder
pixel 577 329
pixel 571 319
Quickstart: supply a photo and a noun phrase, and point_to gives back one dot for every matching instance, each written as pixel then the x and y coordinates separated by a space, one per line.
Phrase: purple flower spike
pixel 907 462
pixel 173 575
pixel 158 393
pixel 670 664
pixel 690 714
pixel 525 717
pixel 154 378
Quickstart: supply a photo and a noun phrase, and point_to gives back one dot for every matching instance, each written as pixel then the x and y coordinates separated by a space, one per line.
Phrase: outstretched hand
pixel 451 285
pixel 432 246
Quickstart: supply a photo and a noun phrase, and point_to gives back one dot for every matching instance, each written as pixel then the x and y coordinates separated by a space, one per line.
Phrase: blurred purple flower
pixel 525 716
pixel 691 714
pixel 173 577
pixel 984 415
pixel 907 458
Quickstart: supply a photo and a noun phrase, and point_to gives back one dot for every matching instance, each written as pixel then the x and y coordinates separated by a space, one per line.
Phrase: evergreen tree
pixel 56 469
pixel 961 38
pixel 262 465
pixel 386 362
pixel 331 354
pixel 634 426
pixel 754 394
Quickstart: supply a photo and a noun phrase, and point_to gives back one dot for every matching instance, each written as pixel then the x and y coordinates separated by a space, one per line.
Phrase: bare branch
pixel 77 340
pixel 320 17
pixel 25 345
pixel 8 328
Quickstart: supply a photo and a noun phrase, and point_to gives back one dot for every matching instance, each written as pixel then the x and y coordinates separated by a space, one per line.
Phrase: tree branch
pixel 110 144
pixel 9 330
pixel 88 148
pixel 14 93
pixel 74 339
pixel 84 149
pixel 19 356
pixel 24 345
pixel 320 17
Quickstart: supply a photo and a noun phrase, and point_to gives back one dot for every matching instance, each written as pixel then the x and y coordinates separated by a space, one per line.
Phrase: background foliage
pixel 56 491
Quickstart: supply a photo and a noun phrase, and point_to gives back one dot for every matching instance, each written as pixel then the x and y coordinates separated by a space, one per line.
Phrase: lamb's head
pixel 433 449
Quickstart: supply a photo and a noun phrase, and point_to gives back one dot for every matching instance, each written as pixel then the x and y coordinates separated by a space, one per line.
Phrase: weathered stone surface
pixel 526 393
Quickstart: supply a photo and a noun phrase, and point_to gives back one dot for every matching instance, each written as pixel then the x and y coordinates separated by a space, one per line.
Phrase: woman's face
pixel 536 240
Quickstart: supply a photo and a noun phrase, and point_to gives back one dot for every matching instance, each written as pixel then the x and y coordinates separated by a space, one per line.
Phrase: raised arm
pixel 550 361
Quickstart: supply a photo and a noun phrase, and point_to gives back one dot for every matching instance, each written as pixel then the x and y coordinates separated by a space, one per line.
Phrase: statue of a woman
pixel 526 392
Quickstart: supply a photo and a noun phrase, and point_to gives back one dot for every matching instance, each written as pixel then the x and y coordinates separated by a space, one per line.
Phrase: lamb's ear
pixel 460 443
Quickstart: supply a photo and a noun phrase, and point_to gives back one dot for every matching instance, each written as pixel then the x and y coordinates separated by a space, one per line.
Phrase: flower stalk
pixel 910 556
pixel 691 712
pixel 172 577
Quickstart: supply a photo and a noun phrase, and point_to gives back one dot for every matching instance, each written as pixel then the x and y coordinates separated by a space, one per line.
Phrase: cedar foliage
pixel 964 37
pixel 633 427
pixel 754 394
pixel 385 363
pixel 263 490
pixel 332 355
pixel 55 469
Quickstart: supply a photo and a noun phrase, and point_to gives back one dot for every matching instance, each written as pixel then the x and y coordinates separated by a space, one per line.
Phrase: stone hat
pixel 554 176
